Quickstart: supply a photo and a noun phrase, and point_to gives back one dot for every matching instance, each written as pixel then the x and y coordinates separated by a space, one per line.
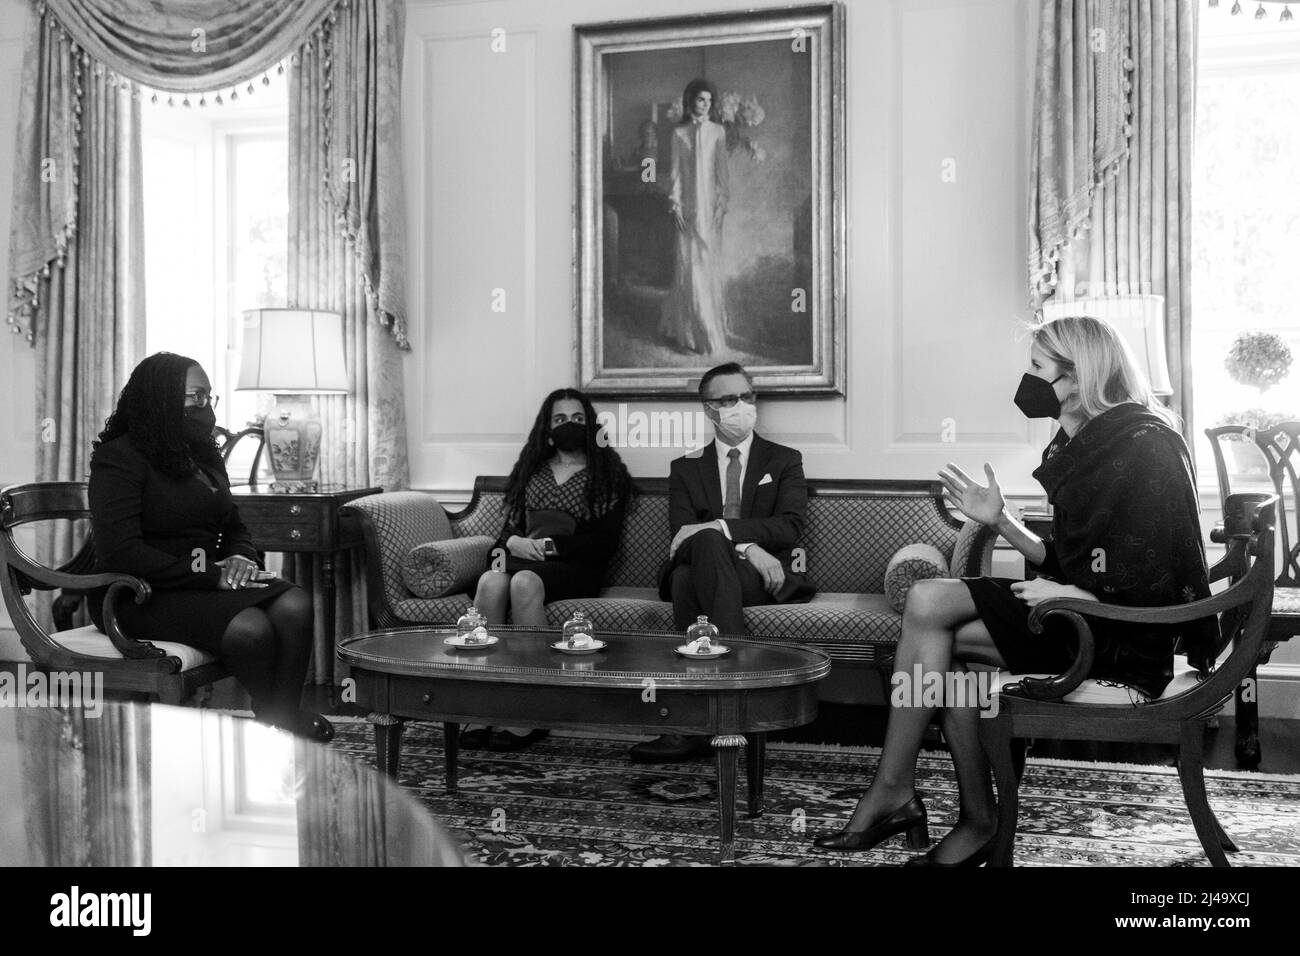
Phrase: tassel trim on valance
pixel 25 292
pixel 1076 218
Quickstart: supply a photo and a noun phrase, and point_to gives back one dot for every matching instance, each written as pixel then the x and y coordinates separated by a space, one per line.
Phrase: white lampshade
pixel 1140 319
pixel 291 351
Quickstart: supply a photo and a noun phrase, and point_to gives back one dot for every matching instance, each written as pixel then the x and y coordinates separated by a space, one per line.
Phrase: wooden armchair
pixel 1276 450
pixel 163 670
pixel 1034 707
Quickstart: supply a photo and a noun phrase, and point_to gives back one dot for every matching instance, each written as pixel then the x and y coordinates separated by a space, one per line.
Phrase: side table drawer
pixel 273 536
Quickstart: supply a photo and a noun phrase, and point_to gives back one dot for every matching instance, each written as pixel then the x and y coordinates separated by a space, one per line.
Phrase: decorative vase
pixel 293 432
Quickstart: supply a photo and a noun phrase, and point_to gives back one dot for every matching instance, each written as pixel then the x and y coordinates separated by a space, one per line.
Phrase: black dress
pixel 171 533
pixel 1125 528
pixel 581 556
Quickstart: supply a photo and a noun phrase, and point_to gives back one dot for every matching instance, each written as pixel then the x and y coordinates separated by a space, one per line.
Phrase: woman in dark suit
pixel 565 500
pixel 1124 531
pixel 161 509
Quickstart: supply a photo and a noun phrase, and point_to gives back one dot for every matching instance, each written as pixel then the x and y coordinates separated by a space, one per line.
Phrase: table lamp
pixel 1140 319
pixel 295 353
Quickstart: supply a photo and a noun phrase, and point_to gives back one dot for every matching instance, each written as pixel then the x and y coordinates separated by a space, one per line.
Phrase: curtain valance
pixel 187 45
pixel 209 45
pixel 1081 123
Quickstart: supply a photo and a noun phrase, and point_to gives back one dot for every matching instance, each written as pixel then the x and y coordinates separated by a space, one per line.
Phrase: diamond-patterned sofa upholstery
pixel 854 527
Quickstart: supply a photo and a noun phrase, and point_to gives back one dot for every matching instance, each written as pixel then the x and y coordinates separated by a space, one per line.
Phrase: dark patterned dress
pixel 578 566
pixel 1125 528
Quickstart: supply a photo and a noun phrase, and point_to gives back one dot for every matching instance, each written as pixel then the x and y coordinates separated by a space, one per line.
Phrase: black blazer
pixel 148 524
pixel 772 513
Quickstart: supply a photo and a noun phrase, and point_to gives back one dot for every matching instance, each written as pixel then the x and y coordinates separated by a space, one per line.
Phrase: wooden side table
pixel 305 523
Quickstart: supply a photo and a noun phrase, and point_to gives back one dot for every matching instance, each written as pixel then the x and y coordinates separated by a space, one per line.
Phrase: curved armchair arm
pixel 1052 688
pixel 128 647
pixel 32 575
pixel 1170 614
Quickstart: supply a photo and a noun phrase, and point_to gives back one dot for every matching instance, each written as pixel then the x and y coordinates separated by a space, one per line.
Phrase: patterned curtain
pixel 1136 235
pixel 76 255
pixel 86 785
pixel 346 247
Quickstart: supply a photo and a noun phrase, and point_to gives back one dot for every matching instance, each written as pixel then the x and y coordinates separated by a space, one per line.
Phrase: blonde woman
pixel 1124 531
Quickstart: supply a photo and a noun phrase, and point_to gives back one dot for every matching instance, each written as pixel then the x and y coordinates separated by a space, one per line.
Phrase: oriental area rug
pixel 575 800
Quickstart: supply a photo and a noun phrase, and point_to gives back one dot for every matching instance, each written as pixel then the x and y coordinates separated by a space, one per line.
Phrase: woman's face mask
pixel 570 436
pixel 1037 398
pixel 199 423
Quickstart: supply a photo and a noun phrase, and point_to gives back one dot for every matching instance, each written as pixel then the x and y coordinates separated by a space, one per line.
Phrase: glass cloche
pixel 577 631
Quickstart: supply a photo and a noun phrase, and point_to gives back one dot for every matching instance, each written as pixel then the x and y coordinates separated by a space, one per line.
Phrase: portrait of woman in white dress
pixel 694 313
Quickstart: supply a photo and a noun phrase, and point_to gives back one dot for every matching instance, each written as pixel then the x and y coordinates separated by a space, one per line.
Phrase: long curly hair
pixel 151 410
pixel 609 481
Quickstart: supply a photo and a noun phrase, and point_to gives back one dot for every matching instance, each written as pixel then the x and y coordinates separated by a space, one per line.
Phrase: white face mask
pixel 735 423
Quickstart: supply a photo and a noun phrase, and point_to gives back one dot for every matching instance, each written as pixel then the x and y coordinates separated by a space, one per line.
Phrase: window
pixel 216 232
pixel 1246 207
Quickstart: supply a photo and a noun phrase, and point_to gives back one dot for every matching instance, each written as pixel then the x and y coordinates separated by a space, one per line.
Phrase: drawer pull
pixel 428 698
pixel 295 534
pixel 295 509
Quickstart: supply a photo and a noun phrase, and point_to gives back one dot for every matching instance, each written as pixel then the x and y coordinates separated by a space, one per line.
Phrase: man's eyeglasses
pixel 201 399
pixel 727 401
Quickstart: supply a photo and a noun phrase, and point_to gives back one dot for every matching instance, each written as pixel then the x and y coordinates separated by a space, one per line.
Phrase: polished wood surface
pixel 636 685
pixel 303 522
pixel 524 655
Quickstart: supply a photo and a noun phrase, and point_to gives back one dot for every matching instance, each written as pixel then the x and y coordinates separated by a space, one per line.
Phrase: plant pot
pixel 1245 460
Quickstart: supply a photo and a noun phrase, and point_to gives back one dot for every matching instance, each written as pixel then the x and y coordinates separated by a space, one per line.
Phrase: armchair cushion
pixel 92 642
pixel 437 568
pixel 909 565
pixel 1093 691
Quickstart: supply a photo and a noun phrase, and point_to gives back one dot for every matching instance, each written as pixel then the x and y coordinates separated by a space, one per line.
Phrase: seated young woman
pixel 1124 531
pixel 565 501
pixel 161 509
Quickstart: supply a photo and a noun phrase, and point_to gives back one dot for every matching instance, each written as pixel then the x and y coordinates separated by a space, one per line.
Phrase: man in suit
pixel 737 509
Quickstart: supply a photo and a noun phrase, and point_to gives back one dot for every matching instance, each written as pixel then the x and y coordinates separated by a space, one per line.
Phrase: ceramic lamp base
pixel 293 433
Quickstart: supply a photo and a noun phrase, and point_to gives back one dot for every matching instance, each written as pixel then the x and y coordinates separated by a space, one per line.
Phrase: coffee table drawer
pixel 573 706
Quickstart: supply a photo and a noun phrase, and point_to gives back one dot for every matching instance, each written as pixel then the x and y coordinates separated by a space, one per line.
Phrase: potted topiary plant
pixel 1259 360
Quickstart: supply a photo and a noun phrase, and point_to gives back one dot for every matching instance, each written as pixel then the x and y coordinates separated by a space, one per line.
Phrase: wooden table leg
pixel 725 747
pixel 1247 720
pixel 451 734
pixel 388 743
pixel 327 594
pixel 755 764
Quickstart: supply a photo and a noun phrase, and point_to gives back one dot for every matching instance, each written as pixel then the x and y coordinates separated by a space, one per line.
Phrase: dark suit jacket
pixel 148 524
pixel 772 514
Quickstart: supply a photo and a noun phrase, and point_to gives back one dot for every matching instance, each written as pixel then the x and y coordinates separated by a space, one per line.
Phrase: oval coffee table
pixel 637 684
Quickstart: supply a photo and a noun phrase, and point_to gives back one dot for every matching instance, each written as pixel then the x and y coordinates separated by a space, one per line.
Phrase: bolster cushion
pixel 909 565
pixel 436 568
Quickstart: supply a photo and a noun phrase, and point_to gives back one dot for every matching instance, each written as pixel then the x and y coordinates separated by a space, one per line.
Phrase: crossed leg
pixel 942 633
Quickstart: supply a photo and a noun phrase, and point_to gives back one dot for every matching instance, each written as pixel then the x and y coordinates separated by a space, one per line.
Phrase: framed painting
pixel 710 155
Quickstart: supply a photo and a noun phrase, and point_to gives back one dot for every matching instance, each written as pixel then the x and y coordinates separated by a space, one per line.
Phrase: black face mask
pixel 571 436
pixel 199 423
pixel 1036 397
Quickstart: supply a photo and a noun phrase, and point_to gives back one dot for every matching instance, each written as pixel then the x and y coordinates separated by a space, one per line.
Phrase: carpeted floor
pixel 578 801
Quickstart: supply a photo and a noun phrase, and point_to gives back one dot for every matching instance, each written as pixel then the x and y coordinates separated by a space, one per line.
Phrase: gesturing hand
pixel 975 501
pixel 767 566
pixel 237 572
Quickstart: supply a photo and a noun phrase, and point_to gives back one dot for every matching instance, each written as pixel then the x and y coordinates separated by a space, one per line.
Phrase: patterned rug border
pixel 870 751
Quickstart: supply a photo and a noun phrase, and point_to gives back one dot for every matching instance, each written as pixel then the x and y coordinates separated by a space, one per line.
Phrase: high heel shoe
pixel 910 818
pixel 978 858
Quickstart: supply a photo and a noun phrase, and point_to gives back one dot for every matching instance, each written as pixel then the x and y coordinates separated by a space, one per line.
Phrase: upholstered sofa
pixel 854 528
